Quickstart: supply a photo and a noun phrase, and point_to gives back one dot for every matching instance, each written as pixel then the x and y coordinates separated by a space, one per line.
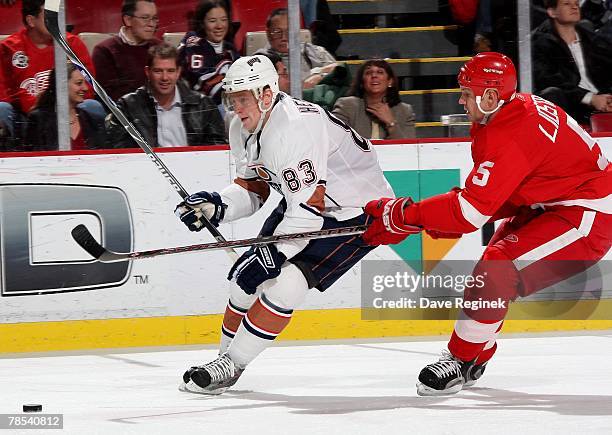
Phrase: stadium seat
pixel 173 38
pixel 256 40
pixel 601 122
pixel 92 39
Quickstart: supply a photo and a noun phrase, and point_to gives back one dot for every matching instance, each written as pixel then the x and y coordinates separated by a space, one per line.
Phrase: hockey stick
pixel 51 10
pixel 84 238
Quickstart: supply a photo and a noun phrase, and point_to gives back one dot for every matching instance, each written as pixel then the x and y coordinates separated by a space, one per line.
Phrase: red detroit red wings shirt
pixel 25 68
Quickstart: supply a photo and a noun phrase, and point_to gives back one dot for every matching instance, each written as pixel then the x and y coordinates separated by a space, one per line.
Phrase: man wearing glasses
pixel 316 61
pixel 120 60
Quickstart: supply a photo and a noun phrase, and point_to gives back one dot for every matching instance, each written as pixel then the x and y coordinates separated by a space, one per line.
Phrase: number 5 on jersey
pixel 482 174
pixel 292 180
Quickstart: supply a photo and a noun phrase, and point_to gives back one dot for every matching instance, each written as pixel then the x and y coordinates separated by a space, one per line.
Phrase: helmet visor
pixel 238 100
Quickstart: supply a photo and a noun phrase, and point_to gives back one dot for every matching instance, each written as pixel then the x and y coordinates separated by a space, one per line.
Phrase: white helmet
pixel 251 73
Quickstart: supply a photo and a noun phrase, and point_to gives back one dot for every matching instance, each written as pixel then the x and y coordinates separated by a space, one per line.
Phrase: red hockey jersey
pixel 25 68
pixel 530 153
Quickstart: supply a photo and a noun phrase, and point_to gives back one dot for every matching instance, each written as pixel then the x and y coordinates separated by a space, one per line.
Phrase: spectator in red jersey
pixel 26 60
pixel 120 60
pixel 204 53
pixel 86 132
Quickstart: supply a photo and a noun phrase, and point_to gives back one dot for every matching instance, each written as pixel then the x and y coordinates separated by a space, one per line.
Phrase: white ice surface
pixel 553 384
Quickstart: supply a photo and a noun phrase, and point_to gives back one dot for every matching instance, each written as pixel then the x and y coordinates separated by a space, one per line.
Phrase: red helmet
pixel 489 70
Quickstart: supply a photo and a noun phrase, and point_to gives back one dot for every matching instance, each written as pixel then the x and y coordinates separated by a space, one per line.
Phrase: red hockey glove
pixel 388 226
pixel 441 235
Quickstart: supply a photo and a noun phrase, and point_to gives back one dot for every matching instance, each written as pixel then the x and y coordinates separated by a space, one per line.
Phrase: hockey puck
pixel 32 408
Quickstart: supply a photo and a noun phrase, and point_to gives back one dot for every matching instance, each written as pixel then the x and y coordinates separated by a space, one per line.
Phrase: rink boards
pixel 54 297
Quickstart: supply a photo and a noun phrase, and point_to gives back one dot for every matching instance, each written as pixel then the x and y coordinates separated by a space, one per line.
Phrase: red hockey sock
pixel 464 350
pixel 486 354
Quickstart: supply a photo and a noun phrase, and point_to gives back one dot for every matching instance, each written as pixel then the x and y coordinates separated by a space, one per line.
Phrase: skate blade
pixel 424 390
pixel 469 384
pixel 191 387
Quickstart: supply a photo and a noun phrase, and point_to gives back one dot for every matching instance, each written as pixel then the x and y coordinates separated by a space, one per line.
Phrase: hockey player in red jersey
pixel 535 167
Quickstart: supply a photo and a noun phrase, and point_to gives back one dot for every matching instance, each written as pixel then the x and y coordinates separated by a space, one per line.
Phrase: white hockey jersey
pixel 301 152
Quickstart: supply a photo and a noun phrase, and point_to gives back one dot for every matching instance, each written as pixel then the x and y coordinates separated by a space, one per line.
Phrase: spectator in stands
pixel 571 67
pixel 316 62
pixel 205 54
pixel 165 111
pixel 374 109
pixel 86 132
pixel 26 60
pixel 284 83
pixel 333 86
pixel 120 60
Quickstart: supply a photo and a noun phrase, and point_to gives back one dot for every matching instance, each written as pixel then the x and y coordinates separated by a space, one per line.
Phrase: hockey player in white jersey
pixel 320 166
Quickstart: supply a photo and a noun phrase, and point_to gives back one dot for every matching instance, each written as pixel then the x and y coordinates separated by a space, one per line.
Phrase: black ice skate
pixel 473 373
pixel 212 378
pixel 446 376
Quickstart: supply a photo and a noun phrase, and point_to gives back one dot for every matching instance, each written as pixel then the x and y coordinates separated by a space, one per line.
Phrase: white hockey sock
pixel 237 306
pixel 224 343
pixel 263 322
pixel 268 315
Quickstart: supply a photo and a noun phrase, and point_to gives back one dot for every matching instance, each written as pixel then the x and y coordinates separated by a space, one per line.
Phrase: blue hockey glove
pixel 192 211
pixel 255 266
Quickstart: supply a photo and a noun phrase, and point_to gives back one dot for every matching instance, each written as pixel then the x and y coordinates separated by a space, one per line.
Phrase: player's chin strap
pixel 263 112
pixel 488 113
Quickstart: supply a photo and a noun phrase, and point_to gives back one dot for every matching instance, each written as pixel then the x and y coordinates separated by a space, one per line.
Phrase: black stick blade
pixel 83 237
